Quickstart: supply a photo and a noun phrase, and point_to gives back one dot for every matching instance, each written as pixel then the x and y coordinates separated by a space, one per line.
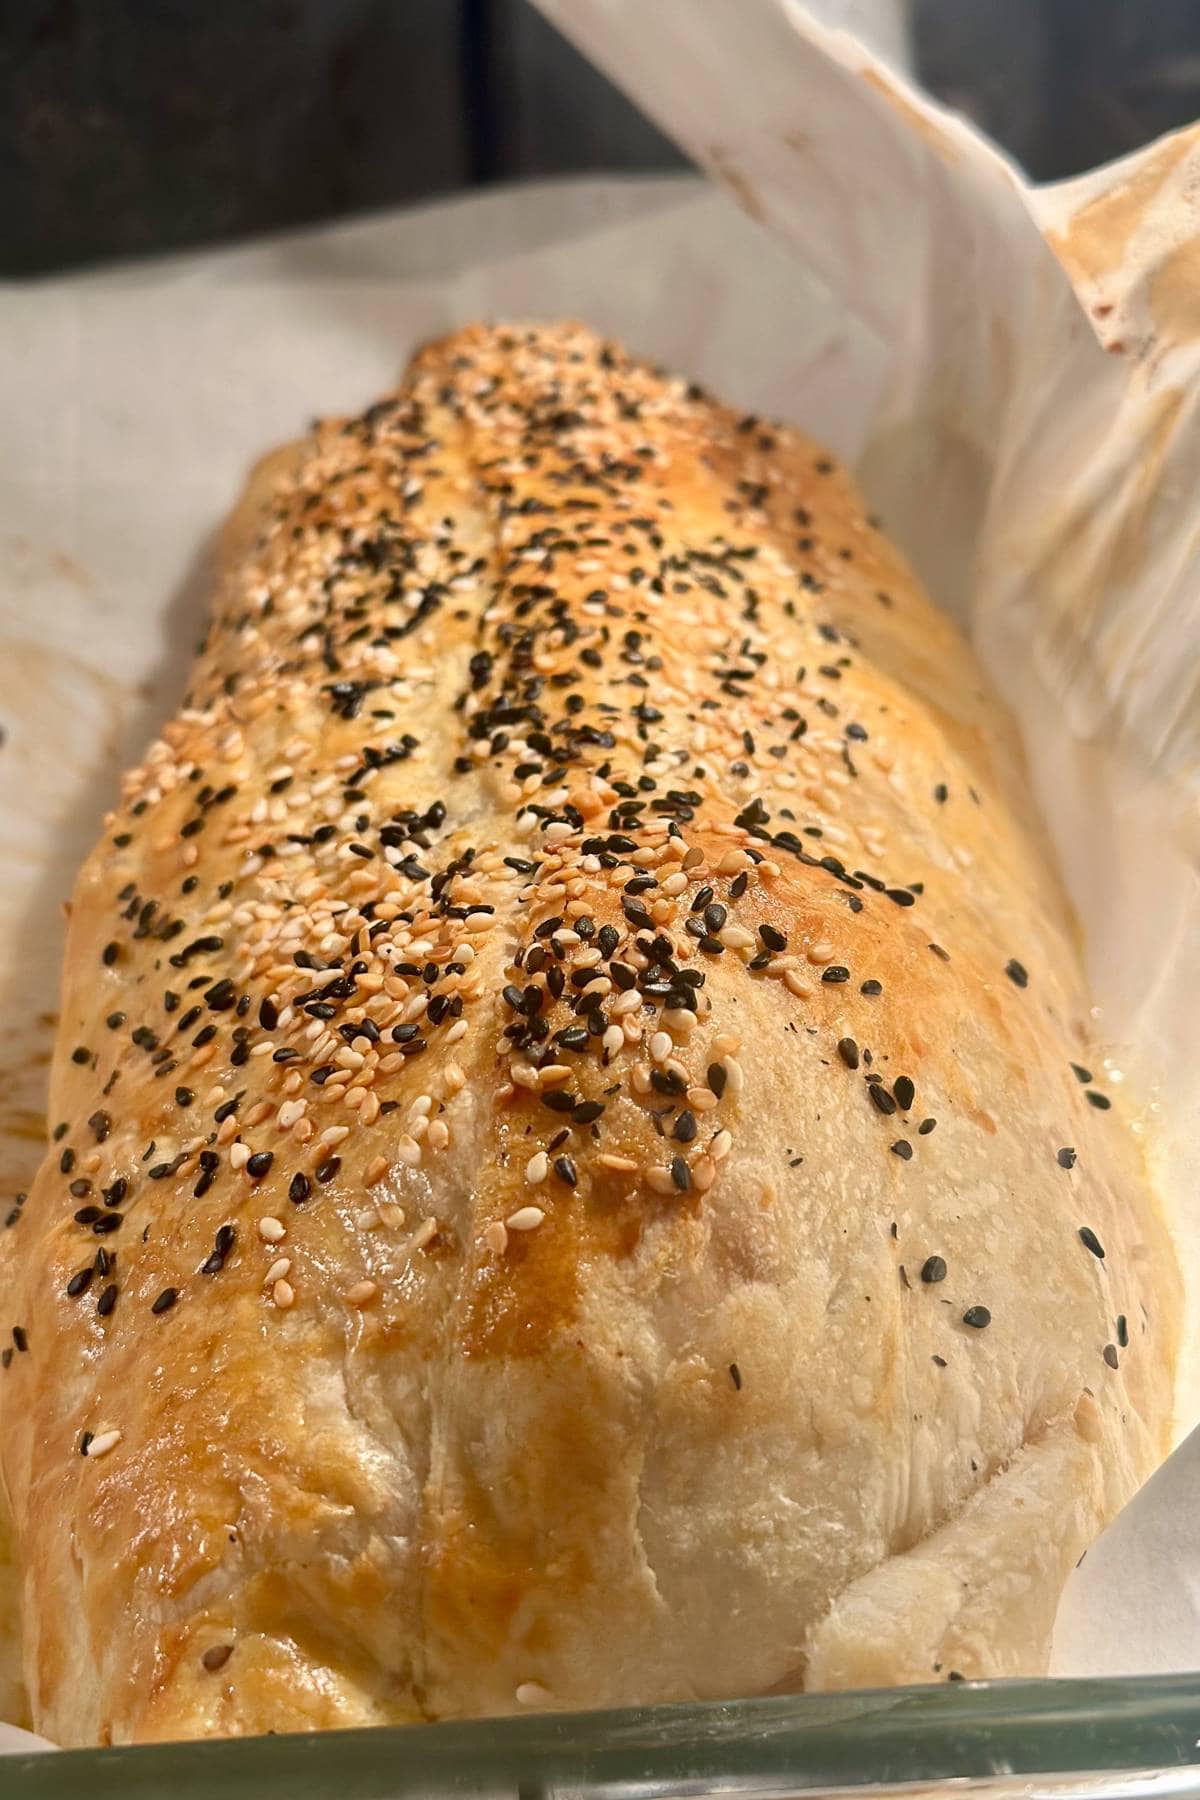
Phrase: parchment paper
pixel 895 295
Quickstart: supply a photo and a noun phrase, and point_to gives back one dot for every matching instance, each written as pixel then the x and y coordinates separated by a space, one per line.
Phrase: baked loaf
pixel 578 1176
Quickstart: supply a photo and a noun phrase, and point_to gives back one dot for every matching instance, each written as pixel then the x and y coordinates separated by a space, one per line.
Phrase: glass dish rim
pixel 1135 1736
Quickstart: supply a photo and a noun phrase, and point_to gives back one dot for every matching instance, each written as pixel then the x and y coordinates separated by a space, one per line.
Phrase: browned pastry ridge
pixel 578 1175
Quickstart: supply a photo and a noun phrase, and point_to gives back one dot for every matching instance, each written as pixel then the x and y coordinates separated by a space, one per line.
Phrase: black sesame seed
pixel 903 1149
pixel 107 1300
pixel 1090 1241
pixel 773 938
pixel 328 1169
pixel 80 1281
pixel 717 1076
pixel 299 1188
pixel 880 1097
pixel 216 1656
pixel 834 973
pixel 977 1317
pixel 259 1163
pixel 685 1127
pixel 848 1051
pixel 1111 1357
pixel 1066 1158
pixel 681 1175
pixel 926 1126
pixel 904 1091
pixel 735 1375
pixel 20 1337
pixel 1122 1331
pixel 1082 1075
pixel 871 987
pixel 933 1269
pixel 587 1111
pixel 565 1169
pixel 1100 1101
pixel 165 1301
pixel 1017 973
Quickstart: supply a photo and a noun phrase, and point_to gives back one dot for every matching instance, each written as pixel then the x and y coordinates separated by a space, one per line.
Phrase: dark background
pixel 133 126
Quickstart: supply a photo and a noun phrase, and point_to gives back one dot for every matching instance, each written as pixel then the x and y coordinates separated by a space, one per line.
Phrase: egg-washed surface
pixel 577 1173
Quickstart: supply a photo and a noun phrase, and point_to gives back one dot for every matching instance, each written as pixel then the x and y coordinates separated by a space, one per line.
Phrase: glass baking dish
pixel 1134 1739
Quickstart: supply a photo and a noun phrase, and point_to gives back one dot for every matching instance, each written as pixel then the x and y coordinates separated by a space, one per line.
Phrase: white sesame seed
pixel 457 1030
pixel 660 1047
pixel 675 884
pixel 613 1039
pixel 721 1145
pixel 453 1077
pixel 553 1075
pixel 439 1134
pixel 425 1233
pixel 820 953
pixel 362 1293
pixel 620 1165
pixel 367 1220
pixel 495 1237
pixel 735 1081
pixel 104 1441
pixel 271 1230
pixel 283 1295
pixel 537 1168
pixel 408 1151
pixel 660 1180
pixel 702 1099
pixel 278 1269
pixel 526 1218
pixel 736 937
pixel 290 1111
pixel 239 1155
pixel 334 1134
pixel 796 984
pixel 625 1003
pixel 532 1693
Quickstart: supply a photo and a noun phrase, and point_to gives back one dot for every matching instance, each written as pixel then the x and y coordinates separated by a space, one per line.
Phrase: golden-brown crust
pixel 565 1340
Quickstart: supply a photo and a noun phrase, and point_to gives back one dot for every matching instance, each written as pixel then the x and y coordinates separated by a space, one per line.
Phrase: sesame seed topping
pixel 526 1218
pixel 103 1442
